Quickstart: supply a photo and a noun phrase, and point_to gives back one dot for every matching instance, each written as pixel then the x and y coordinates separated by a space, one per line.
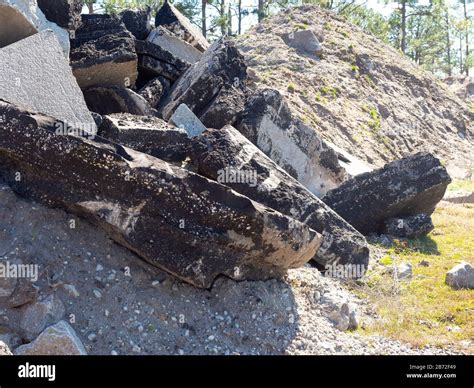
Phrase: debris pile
pixel 163 142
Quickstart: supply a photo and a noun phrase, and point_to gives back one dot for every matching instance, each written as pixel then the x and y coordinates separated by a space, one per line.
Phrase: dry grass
pixel 425 310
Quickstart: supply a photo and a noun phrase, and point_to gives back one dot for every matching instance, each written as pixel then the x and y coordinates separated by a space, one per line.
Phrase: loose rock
pixel 116 99
pixel 174 21
pixel 4 349
pixel 184 118
pixel 65 13
pixel 402 188
pixel 155 60
pixel 103 52
pixel 40 315
pixel 137 21
pixel 57 340
pixel 36 75
pixel 297 148
pixel 177 47
pixel 20 19
pixel 305 40
pixel 461 276
pixel 226 156
pixel 154 90
pixel 213 88
pixel 148 205
pixel 147 134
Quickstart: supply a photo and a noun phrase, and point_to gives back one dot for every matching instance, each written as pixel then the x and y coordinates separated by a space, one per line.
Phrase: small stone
pixel 461 276
pixel 40 315
pixel 59 339
pixel 404 271
pixel 97 294
pixel 71 290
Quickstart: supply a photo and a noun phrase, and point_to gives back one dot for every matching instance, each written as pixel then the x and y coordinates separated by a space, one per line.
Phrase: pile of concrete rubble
pixel 164 142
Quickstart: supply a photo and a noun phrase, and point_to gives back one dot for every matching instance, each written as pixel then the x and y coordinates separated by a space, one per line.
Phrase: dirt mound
pixel 357 92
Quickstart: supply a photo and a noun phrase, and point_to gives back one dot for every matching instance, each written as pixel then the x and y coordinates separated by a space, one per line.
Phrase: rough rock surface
pixel 157 61
pixel 213 88
pixel 137 21
pixel 103 52
pixel 462 86
pixel 360 93
pixel 149 135
pixel 146 312
pixel 461 276
pixel 116 99
pixel 57 340
pixel 268 122
pixel 153 91
pixel 65 13
pixel 409 227
pixel 179 48
pixel 173 20
pixel 36 75
pixel 20 19
pixel 40 315
pixel 228 157
pixel 405 187
pixel 149 205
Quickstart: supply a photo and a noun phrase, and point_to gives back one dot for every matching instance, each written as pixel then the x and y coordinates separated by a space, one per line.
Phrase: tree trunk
pixel 448 44
pixel 203 16
pixel 466 56
pixel 403 41
pixel 90 6
pixel 229 21
pixel 239 17
pixel 222 15
pixel 260 10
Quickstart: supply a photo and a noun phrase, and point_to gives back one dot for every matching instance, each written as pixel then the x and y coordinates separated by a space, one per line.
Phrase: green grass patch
pixel 425 310
pixel 461 184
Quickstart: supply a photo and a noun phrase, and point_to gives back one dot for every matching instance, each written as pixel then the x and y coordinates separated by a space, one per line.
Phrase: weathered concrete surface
pixel 184 118
pixel 57 340
pixel 20 19
pixel 65 13
pixel 154 90
pixel 179 48
pixel 409 227
pixel 159 211
pixel 213 88
pixel 294 146
pixel 35 75
pixel 157 61
pixel 137 21
pixel 402 188
pixel 103 52
pixel 226 156
pixel 146 134
pixel 115 99
pixel 173 20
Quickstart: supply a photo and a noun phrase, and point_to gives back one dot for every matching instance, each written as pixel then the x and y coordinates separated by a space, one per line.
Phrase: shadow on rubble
pixel 425 245
pixel 143 305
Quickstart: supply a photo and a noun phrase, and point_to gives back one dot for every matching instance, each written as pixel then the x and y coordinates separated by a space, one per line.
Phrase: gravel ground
pixel 120 305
